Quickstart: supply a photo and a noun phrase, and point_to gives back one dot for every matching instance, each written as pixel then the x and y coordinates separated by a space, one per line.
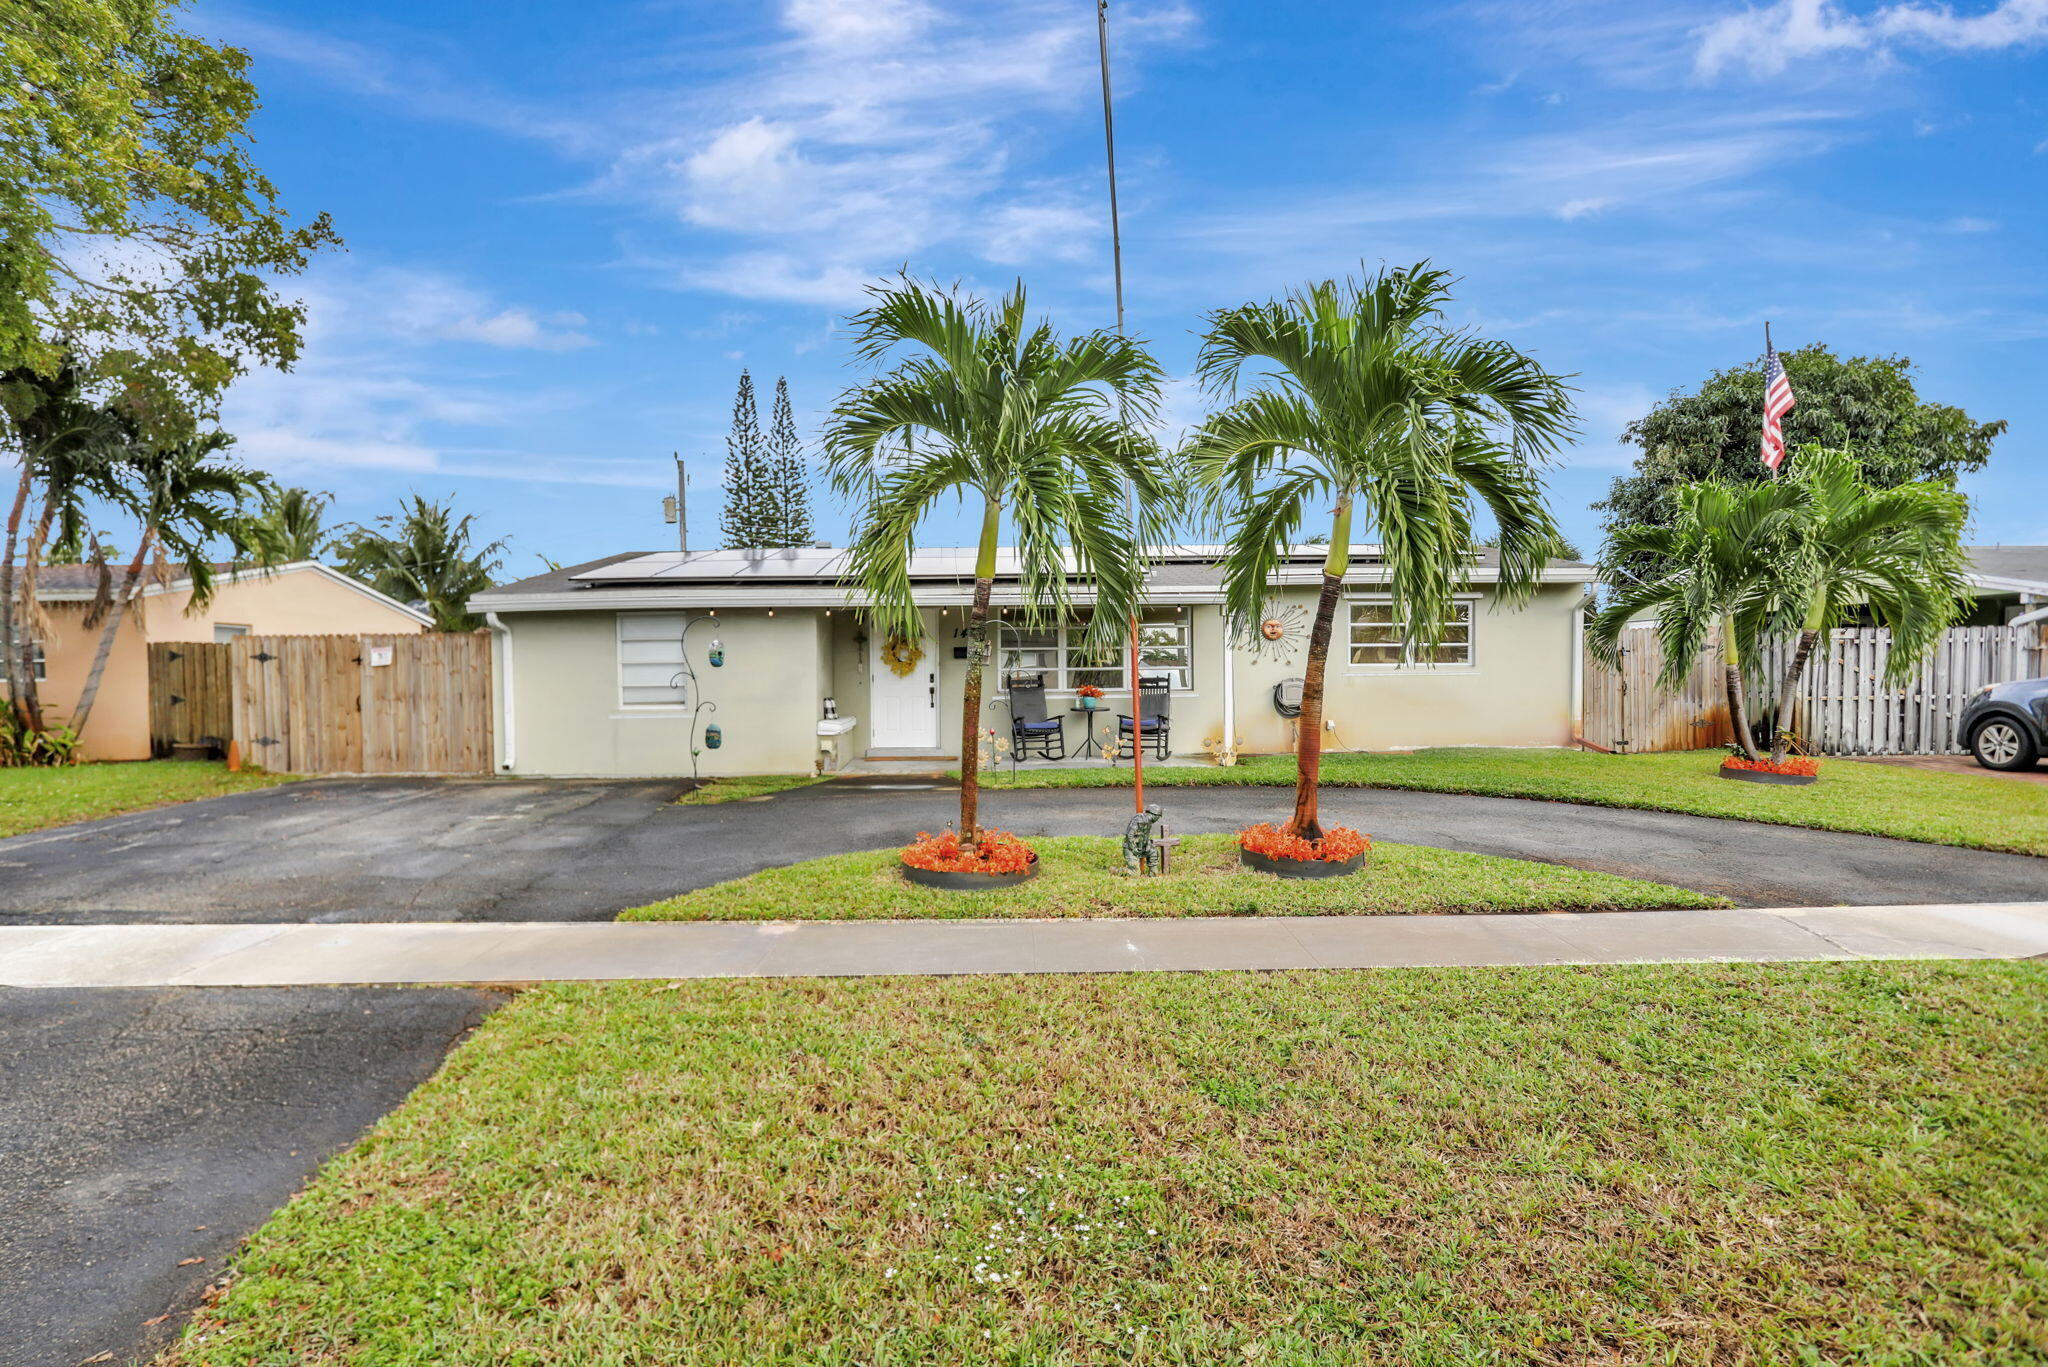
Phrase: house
pixel 595 662
pixel 2006 582
pixel 305 598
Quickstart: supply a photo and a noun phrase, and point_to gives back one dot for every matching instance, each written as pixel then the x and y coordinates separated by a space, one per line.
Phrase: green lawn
pixel 1081 876
pixel 1709 1164
pixel 743 786
pixel 1879 799
pixel 31 799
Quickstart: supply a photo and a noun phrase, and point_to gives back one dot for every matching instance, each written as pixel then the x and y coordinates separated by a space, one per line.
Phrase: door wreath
pixel 901 654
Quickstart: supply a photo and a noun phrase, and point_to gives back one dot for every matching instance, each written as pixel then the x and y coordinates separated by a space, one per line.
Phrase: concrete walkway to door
pixel 273 955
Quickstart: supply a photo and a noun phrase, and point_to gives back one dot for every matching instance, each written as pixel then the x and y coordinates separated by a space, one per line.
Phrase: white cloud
pixel 1604 410
pixel 1966 224
pixel 1767 40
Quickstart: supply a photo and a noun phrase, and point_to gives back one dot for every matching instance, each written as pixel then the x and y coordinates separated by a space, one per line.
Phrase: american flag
pixel 1778 402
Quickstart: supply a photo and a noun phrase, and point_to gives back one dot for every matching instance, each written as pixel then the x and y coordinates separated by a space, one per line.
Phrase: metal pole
pixel 1116 253
pixel 682 506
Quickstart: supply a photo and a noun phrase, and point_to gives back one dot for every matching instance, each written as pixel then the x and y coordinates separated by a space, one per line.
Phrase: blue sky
pixel 566 238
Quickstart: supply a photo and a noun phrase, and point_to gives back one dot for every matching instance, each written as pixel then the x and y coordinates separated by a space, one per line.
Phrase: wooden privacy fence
pixel 190 697
pixel 1626 710
pixel 1845 706
pixel 417 704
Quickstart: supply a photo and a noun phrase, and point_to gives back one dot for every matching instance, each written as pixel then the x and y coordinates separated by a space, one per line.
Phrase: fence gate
pixel 190 698
pixel 1628 711
pixel 418 704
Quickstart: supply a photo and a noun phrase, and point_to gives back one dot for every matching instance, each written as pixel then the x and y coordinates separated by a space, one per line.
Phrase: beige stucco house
pixel 594 663
pixel 300 599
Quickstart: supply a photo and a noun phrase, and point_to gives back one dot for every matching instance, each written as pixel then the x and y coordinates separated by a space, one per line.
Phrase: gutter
pixel 1579 669
pixel 504 635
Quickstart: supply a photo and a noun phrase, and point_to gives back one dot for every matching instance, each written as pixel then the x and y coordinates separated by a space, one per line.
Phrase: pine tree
pixel 788 478
pixel 743 523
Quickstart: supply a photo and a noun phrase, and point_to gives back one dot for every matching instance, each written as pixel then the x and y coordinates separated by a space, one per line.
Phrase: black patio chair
pixel 1033 734
pixel 1155 717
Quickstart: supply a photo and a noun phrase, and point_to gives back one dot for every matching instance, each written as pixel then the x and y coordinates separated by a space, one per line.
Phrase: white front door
pixel 903 708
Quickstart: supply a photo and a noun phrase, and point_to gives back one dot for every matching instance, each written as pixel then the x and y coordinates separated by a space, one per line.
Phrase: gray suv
pixel 2005 725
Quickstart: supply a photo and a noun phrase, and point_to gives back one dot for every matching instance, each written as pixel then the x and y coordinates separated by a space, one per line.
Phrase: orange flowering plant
pixel 1088 691
pixel 1338 844
pixel 1796 764
pixel 995 852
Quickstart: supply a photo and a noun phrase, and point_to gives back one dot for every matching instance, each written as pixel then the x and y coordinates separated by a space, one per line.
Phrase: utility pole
pixel 1116 252
pixel 682 506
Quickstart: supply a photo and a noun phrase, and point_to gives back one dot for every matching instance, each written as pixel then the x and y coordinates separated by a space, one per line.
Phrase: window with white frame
pixel 1376 637
pixel 223 632
pixel 38 663
pixel 651 659
pixel 1061 655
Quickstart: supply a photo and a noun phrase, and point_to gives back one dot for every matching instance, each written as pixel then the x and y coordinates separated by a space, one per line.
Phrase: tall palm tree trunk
pixel 109 631
pixel 1731 678
pixel 31 706
pixel 10 621
pixel 977 652
pixel 1308 745
pixel 1787 689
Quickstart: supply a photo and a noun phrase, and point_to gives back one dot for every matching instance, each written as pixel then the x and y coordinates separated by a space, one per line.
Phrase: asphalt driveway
pixel 145 1132
pixel 496 850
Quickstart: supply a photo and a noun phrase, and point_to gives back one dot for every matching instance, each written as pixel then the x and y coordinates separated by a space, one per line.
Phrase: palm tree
pixel 1721 560
pixel 288 527
pixel 423 555
pixel 69 446
pixel 1896 553
pixel 185 500
pixel 1378 411
pixel 1029 424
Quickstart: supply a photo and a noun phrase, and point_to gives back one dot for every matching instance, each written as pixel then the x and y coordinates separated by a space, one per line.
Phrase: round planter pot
pixel 193 749
pixel 1303 868
pixel 970 882
pixel 1766 776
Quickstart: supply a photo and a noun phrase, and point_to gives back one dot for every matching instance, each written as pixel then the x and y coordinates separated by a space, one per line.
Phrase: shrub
pixel 1338 844
pixel 995 852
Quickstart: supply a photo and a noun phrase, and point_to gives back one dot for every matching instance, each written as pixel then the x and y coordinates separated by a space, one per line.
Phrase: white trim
pixel 1994 583
pixel 760 597
pixel 507 729
pixel 680 707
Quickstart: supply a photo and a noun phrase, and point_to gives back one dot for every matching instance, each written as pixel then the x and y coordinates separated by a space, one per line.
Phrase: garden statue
pixel 1140 849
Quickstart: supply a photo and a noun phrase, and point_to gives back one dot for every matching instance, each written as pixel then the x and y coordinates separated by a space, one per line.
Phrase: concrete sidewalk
pixel 288 955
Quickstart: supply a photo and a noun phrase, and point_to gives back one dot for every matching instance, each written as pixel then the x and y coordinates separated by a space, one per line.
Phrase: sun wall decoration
pixel 1275 634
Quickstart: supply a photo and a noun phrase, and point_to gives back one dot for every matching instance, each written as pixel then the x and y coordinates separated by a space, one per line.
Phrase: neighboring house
pixel 2009 581
pixel 300 599
pixel 592 680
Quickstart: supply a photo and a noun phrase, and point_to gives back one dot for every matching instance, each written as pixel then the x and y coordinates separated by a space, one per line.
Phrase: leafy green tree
pixel 186 500
pixel 139 243
pixel 1895 553
pixel 787 475
pixel 423 555
pixel 1866 405
pixel 1717 563
pixel 1374 408
pixel 991 408
pixel 288 527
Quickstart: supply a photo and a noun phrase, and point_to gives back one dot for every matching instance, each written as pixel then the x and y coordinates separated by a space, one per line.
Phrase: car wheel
pixel 2003 744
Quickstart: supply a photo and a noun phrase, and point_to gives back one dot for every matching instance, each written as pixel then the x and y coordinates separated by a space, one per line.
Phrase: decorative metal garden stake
pixel 713 737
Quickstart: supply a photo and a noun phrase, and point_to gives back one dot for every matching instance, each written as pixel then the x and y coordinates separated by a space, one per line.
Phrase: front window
pixel 1059 652
pixel 651 659
pixel 1376 638
pixel 223 632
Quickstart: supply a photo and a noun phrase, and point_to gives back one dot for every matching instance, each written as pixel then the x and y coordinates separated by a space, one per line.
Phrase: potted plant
pixel 1090 696
pixel 997 860
pixel 1270 849
pixel 1793 771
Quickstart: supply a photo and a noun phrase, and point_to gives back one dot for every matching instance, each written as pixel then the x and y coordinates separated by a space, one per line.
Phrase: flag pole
pixel 1116 253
